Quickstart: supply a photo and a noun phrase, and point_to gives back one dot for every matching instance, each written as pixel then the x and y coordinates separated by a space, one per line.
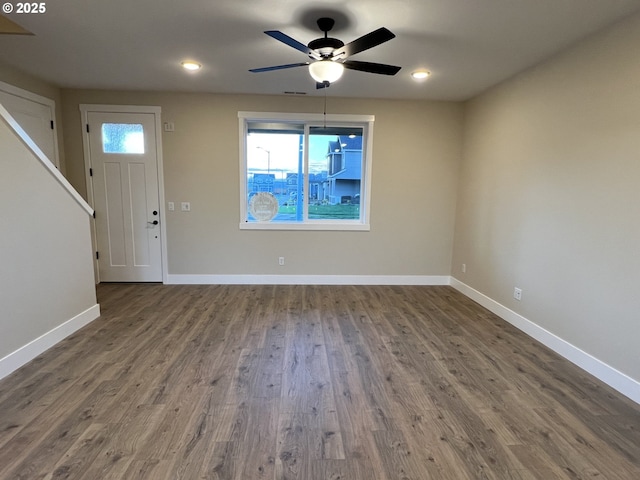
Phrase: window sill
pixel 319 226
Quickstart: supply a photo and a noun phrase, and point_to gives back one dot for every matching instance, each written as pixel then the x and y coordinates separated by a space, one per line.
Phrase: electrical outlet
pixel 185 207
pixel 517 293
pixel 281 261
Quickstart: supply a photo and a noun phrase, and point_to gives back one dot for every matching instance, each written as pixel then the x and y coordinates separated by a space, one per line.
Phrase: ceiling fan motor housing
pixel 325 46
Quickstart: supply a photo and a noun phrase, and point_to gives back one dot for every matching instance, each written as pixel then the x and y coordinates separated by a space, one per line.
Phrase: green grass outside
pixel 327 212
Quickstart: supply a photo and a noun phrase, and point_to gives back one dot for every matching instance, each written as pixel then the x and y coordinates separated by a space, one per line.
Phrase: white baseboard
pixel 31 350
pixel 609 375
pixel 308 279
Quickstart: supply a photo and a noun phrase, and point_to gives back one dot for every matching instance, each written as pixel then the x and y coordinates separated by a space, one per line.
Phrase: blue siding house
pixel 344 170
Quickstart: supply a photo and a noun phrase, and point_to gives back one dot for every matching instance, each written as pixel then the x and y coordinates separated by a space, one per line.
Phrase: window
pixel 305 172
pixel 122 138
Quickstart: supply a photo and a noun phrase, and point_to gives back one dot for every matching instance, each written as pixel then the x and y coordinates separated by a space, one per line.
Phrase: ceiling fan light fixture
pixel 326 71
pixel 191 66
pixel 420 74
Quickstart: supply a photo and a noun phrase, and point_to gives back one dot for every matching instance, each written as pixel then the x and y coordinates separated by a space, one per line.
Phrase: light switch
pixel 185 207
pixel 171 206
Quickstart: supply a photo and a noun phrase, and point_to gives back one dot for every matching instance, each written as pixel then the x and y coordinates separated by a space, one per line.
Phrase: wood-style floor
pixel 311 383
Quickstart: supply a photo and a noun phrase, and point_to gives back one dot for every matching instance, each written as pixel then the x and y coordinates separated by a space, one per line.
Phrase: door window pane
pixel 122 138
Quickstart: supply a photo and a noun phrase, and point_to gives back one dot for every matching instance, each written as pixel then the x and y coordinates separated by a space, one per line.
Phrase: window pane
pixel 122 138
pixel 335 173
pixel 275 165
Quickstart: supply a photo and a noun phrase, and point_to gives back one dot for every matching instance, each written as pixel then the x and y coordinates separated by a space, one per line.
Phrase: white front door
pixel 124 164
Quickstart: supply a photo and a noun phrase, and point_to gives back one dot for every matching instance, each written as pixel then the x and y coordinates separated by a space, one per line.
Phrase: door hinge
pixel 90 172
pixel 52 125
pixel 87 128
pixel 97 255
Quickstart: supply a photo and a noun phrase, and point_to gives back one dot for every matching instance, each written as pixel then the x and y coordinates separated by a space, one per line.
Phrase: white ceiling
pixel 468 45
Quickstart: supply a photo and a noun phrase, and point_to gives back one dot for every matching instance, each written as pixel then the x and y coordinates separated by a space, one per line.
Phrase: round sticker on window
pixel 263 206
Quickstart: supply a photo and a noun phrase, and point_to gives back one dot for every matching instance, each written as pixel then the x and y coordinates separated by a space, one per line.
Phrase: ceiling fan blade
pixel 278 67
pixel 379 68
pixel 292 42
pixel 365 42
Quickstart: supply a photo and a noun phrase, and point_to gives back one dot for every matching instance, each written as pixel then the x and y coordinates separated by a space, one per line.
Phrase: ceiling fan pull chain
pixel 325 109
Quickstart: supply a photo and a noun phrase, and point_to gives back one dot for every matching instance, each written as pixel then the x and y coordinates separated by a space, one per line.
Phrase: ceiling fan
pixel 329 54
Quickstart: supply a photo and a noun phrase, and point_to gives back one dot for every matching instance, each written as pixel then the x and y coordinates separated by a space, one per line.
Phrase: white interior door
pixel 35 115
pixel 124 164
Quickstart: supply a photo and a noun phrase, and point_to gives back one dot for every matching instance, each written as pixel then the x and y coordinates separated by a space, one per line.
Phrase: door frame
pixel 85 109
pixel 47 102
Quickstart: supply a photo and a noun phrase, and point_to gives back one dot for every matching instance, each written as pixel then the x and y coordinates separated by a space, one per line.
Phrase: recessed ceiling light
pixel 420 74
pixel 188 65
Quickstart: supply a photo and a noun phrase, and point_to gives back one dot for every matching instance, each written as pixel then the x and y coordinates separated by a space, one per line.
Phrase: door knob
pixel 155 222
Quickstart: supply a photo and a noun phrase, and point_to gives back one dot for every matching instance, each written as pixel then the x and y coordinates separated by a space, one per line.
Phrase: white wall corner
pixel 31 350
pixel 607 374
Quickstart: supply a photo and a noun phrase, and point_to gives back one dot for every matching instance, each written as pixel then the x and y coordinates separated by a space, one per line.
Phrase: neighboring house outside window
pixel 345 170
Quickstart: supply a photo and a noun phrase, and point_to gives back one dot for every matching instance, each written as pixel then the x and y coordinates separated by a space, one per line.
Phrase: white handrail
pixel 11 122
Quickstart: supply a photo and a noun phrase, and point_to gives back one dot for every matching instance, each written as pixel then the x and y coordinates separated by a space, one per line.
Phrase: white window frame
pixel 309 119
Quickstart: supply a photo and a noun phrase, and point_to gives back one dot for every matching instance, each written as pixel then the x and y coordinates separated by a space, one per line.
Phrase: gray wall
pixel 416 155
pixel 46 277
pixel 549 196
